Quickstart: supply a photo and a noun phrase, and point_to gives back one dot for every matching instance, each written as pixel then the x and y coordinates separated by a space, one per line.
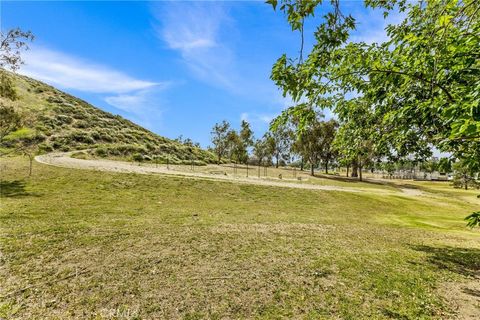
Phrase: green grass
pixel 169 247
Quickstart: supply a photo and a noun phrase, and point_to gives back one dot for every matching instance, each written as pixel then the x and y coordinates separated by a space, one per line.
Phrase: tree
pixel 328 131
pixel 260 150
pixel 236 147
pixel 27 142
pixel 434 102
pixel 246 134
pixel 12 43
pixel 279 141
pixel 308 144
pixel 10 121
pixel 220 132
pixel 430 166
pixel 445 165
pixel 464 175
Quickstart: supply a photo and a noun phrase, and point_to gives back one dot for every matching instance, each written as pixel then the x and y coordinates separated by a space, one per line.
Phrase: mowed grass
pixel 86 244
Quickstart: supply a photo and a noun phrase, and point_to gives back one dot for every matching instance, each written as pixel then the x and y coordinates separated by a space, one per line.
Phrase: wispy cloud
pixel 70 72
pixel 140 98
pixel 195 31
pixel 257 119
pixel 371 25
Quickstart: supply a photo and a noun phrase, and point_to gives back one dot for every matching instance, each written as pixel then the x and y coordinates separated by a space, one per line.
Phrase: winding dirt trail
pixel 64 159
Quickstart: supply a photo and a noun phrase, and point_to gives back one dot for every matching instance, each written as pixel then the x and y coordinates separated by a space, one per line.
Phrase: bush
pixel 55 99
pixel 101 152
pixel 81 124
pixel 63 119
pixel 81 137
pixel 137 157
pixel 79 155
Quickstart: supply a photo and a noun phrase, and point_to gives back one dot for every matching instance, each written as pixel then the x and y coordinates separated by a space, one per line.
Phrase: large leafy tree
pixel 422 86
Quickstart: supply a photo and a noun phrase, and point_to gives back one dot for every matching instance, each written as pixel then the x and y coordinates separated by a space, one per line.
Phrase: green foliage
pixel 473 220
pixel 7 88
pixel 396 99
pixel 220 133
pixel 464 176
pixel 445 165
pixel 10 120
pixel 422 86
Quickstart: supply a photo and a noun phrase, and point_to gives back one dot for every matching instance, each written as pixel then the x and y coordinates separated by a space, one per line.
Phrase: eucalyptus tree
pixel 220 132
pixel 328 131
pixel 246 134
pixel 260 150
pixel 279 142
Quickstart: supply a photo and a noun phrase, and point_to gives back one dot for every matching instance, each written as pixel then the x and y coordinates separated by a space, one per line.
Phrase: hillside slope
pixel 68 123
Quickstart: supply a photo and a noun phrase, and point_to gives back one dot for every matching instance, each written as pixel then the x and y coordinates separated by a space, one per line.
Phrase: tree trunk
pixel 312 173
pixel 301 165
pixel 360 172
pixel 326 167
pixel 348 169
pixel 354 170
pixel 276 160
pixel 31 163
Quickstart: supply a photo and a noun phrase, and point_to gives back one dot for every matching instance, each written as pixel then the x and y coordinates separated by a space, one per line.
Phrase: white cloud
pixel 195 30
pixel 140 98
pixel 371 25
pixel 70 72
pixel 256 118
pixel 145 106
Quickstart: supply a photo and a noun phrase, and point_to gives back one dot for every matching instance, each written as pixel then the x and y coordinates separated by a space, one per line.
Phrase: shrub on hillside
pixel 137 157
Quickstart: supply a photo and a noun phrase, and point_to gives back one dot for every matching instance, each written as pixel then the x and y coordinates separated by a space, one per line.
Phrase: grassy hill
pixel 68 123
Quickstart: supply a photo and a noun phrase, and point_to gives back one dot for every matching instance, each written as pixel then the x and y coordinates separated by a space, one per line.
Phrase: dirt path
pixel 64 160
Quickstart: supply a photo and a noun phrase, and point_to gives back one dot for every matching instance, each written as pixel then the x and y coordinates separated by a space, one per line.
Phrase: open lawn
pixel 90 244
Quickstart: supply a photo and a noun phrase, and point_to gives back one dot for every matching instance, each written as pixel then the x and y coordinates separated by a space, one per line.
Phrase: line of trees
pixel 312 146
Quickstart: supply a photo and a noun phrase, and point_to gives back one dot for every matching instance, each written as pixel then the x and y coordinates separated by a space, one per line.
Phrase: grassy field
pixel 86 244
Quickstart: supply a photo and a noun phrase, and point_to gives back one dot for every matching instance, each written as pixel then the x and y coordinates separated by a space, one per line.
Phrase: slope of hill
pixel 68 123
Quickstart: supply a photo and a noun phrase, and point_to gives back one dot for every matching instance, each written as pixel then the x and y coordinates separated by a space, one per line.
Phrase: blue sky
pixel 173 67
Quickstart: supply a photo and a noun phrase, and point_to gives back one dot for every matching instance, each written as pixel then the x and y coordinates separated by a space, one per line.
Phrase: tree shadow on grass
pixel 13 189
pixel 464 261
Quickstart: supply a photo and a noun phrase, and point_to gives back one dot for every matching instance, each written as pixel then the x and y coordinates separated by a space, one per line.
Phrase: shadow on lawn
pixel 368 181
pixel 459 260
pixel 13 189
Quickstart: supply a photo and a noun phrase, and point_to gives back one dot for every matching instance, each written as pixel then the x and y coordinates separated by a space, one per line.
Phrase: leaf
pixel 473 219
pixel 273 3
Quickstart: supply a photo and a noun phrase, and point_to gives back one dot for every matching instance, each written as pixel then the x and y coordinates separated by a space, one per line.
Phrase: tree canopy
pixel 396 99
